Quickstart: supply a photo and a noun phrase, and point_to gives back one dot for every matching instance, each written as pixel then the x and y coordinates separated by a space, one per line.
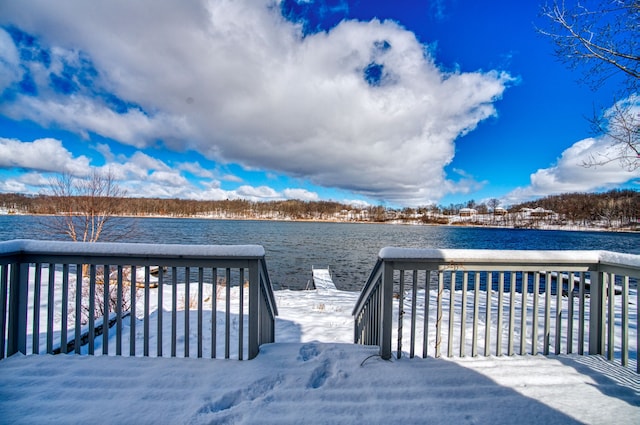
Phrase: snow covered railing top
pixel 517 258
pixel 105 249
pixel 541 301
pixel 73 288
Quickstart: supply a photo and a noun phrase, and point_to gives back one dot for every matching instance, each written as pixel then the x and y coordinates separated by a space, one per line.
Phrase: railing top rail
pixel 501 257
pixel 368 287
pixel 112 249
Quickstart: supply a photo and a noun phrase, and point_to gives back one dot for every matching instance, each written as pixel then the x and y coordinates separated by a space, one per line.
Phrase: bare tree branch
pixel 84 207
pixel 603 39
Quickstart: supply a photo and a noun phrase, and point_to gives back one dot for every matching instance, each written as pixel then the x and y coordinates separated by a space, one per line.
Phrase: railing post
pixel 386 318
pixel 254 309
pixel 17 332
pixel 596 313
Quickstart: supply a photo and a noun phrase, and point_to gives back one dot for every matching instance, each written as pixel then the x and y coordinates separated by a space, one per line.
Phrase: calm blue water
pixel 350 250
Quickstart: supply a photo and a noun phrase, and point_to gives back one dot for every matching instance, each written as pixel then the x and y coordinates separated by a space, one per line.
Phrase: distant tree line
pixel 616 208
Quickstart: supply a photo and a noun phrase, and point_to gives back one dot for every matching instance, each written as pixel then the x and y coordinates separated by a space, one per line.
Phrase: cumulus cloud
pixel 196 169
pixel 569 173
pixel 362 107
pixel 42 155
pixel 10 71
pixel 139 175
pixel 302 194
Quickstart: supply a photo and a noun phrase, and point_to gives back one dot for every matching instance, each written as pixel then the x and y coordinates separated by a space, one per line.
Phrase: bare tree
pixel 603 40
pixel 85 206
pixel 622 124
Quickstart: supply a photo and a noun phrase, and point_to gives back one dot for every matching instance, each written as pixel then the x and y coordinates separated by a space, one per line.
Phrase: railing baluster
pixel 160 310
pixel 463 318
pixel 132 317
pixel 187 307
pixel 227 317
pixel 37 288
pixel 534 326
pixel 414 311
pixel 427 300
pixel 78 308
pixel 174 310
pixel 611 316
pixel 558 337
pixel 439 312
pixel 147 302
pixel 624 337
pixel 106 292
pixel 92 308
pixel 523 313
pixel 546 340
pixel 4 279
pixel 581 313
pixel 476 314
pixel 452 292
pixel 500 314
pixel 487 325
pixel 512 313
pixel 214 311
pixel 241 314
pixel 200 308
pixel 570 313
pixel 51 288
pixel 401 314
pixel 65 309
pixel 119 312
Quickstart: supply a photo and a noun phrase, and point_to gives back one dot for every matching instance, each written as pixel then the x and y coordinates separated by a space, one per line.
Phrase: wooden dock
pixel 322 279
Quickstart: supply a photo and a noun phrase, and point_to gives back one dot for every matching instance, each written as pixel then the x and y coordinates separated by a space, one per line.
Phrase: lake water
pixel 350 250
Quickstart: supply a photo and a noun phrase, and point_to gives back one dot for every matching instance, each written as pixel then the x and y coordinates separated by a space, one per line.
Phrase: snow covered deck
pixel 313 374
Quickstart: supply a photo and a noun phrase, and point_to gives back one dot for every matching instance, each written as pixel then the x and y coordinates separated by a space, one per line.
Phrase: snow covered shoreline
pixel 395 222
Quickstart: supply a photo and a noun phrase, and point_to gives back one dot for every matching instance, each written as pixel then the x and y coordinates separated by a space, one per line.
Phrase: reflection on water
pixel 349 250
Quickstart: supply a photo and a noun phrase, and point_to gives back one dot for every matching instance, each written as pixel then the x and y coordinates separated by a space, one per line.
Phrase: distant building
pixel 500 211
pixel 540 212
pixel 468 212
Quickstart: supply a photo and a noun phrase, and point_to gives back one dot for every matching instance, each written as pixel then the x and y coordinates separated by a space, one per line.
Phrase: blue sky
pixel 401 103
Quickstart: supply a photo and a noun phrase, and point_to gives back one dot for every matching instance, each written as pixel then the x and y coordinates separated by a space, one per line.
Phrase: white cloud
pixel 196 169
pixel 236 82
pixel 356 203
pixel 105 150
pixel 12 186
pixel 260 193
pixel 10 71
pixel 34 180
pixel 168 178
pixel 569 173
pixel 301 194
pixel 85 115
pixel 42 155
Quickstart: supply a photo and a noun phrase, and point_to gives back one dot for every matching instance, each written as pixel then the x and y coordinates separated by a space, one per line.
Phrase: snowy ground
pixel 314 375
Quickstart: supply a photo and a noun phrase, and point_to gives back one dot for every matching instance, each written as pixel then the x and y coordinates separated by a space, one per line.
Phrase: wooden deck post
pixel 386 318
pixel 254 309
pixel 17 332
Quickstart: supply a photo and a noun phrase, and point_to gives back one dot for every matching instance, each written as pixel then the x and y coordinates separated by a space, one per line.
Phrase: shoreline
pixel 396 222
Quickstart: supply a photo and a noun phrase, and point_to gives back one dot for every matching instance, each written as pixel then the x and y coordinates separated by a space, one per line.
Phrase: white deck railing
pixel 481 302
pixel 205 301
